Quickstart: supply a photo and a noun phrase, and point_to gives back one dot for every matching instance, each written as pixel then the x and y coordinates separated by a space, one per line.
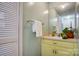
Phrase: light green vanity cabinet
pixel 47 50
pixel 58 47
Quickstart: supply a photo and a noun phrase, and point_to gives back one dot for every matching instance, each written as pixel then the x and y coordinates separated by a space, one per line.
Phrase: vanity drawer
pixel 69 50
pixel 66 52
pixel 47 41
pixel 63 53
pixel 64 44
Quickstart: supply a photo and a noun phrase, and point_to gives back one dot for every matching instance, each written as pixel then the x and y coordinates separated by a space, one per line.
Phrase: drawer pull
pixel 54 43
pixel 55 52
pixel 73 54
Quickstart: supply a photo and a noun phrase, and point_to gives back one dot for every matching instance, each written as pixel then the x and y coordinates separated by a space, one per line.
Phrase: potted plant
pixel 66 33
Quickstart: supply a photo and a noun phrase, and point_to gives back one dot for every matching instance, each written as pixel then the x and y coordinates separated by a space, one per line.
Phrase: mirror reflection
pixel 62 17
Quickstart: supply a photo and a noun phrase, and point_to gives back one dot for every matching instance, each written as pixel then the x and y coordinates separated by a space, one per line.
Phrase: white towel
pixel 37 27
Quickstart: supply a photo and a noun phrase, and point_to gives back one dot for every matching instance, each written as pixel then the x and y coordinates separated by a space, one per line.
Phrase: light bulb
pixel 31 3
pixel 45 12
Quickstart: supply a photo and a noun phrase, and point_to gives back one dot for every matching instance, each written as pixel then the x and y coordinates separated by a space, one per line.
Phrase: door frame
pixel 20 29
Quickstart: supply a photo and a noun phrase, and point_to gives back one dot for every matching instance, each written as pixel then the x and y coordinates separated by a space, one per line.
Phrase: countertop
pixel 58 38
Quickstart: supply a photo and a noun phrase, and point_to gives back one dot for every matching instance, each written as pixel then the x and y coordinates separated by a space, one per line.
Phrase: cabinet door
pixel 75 49
pixel 65 48
pixel 59 48
pixel 47 50
pixel 61 51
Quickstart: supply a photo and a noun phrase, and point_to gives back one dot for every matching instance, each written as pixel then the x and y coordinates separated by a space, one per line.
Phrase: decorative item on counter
pixel 70 33
pixel 65 30
pixel 53 33
pixel 64 36
pixel 67 33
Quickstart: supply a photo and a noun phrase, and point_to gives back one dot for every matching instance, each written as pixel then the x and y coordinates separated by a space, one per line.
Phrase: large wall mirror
pixel 63 15
pixel 77 18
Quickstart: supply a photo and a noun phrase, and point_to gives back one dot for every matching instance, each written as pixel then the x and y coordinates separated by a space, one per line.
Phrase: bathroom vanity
pixel 54 46
pixel 61 19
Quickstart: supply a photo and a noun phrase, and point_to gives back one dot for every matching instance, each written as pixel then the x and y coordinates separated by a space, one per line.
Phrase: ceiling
pixel 69 7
